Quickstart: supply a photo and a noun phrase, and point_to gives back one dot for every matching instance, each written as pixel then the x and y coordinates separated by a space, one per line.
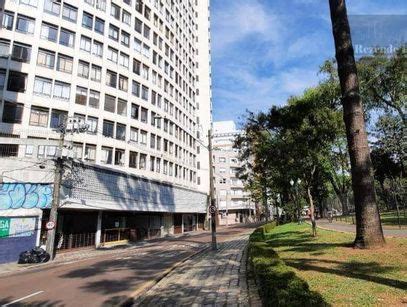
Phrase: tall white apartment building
pixel 234 203
pixel 138 73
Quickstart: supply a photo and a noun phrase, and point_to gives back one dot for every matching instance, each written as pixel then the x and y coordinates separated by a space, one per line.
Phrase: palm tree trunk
pixel 369 231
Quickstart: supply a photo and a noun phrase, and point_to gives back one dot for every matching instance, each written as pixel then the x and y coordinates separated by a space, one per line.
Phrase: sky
pixel 264 51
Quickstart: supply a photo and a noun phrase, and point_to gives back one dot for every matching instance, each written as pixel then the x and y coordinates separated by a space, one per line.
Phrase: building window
pixel 120 132
pixel 21 52
pixel 69 13
pixel 122 107
pixel 110 104
pixel 87 20
pixel 81 95
pixel 64 63
pixel 136 67
pixel 4 48
pixel 134 111
pixel 119 157
pixel 42 86
pixel 143 161
pixel 90 152
pixel 93 124
pixel 126 17
pixel 111 78
pixel 133 159
pixel 143 137
pixel 112 54
pixel 144 115
pixel 17 82
pixel 33 3
pixel 39 117
pixel 8 20
pixel 138 25
pixel 52 6
pixel 49 32
pixel 113 32
pixel 67 38
pixel 125 39
pixel 108 128
pixel 152 141
pixel 123 83
pixel 99 25
pixel 96 73
pixel 106 155
pixel 97 48
pixel 134 134
pixel 46 58
pixel 2 78
pixel 135 88
pixel 12 112
pixel 144 93
pixel 94 98
pixel 115 11
pixel 85 44
pixel 62 90
pixel 25 24
pixel 124 60
pixel 83 69
pixel 58 118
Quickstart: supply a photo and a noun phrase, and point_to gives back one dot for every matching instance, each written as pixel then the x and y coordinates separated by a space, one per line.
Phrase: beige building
pixel 234 204
pixel 138 73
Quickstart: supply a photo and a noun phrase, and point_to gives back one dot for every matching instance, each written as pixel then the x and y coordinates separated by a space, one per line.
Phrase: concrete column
pixel 182 223
pixel 98 230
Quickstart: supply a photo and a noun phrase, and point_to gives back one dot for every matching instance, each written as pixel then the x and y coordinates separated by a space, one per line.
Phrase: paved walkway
pixel 338 226
pixel 208 279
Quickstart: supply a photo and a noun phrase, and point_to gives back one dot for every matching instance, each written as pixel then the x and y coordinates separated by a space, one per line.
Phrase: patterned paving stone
pixel 208 279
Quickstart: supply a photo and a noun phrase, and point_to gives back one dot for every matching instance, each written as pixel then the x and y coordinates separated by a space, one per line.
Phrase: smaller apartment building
pixel 234 203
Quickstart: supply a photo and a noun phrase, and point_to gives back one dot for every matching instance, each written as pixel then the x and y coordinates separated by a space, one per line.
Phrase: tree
pixel 369 231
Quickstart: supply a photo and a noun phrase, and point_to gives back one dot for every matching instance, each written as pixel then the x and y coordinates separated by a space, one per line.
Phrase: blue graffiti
pixel 25 195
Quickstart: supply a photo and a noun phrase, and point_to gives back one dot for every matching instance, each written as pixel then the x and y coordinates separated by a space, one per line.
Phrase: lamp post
pixel 295 184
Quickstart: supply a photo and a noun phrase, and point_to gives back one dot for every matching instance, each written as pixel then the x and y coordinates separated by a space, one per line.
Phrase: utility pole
pixel 72 125
pixel 53 215
pixel 212 202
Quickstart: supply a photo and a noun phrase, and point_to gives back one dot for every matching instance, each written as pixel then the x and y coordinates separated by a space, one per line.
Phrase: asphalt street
pixel 107 279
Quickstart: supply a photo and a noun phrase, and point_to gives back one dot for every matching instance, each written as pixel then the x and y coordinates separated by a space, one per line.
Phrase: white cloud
pixel 241 19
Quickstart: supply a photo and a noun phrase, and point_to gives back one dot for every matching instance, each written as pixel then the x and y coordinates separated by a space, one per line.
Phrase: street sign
pixel 212 209
pixel 50 225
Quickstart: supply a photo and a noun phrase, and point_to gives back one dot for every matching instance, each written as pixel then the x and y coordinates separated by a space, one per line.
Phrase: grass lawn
pixel 388 219
pixel 340 274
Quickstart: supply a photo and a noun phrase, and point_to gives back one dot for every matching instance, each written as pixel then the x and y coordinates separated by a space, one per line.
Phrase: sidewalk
pixel 208 279
pixel 337 226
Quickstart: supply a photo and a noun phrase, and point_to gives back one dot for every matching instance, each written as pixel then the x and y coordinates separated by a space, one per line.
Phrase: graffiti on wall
pixel 25 195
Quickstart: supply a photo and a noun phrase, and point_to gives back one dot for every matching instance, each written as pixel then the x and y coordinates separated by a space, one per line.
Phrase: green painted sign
pixel 4 227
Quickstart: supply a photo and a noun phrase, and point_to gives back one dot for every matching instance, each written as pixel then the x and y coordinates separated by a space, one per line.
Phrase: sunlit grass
pixel 341 274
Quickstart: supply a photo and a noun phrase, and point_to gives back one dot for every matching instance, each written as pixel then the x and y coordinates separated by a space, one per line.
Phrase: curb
pixel 143 289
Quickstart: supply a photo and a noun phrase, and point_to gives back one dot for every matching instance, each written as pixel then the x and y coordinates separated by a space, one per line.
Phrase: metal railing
pixel 75 240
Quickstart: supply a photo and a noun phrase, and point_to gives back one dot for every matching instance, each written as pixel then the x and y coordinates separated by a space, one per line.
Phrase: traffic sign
pixel 50 225
pixel 212 209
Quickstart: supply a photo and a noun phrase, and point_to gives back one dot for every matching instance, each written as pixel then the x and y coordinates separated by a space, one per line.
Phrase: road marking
pixel 23 298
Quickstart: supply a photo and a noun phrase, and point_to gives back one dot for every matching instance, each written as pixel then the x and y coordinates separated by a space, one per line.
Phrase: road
pixel 106 279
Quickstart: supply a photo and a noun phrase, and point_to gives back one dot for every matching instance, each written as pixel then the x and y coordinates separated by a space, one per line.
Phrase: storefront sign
pixel 17 226
pixel 4 226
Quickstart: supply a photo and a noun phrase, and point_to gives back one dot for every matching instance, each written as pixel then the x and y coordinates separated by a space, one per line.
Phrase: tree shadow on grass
pixel 297 241
pixel 351 269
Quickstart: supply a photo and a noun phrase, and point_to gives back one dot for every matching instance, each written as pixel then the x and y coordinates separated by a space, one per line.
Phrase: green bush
pixel 279 286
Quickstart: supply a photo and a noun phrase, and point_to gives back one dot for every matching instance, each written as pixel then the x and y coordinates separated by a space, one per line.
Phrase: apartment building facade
pixel 234 203
pixel 138 74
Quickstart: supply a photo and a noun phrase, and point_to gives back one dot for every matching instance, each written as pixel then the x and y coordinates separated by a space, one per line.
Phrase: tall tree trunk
pixel 312 212
pixel 369 231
